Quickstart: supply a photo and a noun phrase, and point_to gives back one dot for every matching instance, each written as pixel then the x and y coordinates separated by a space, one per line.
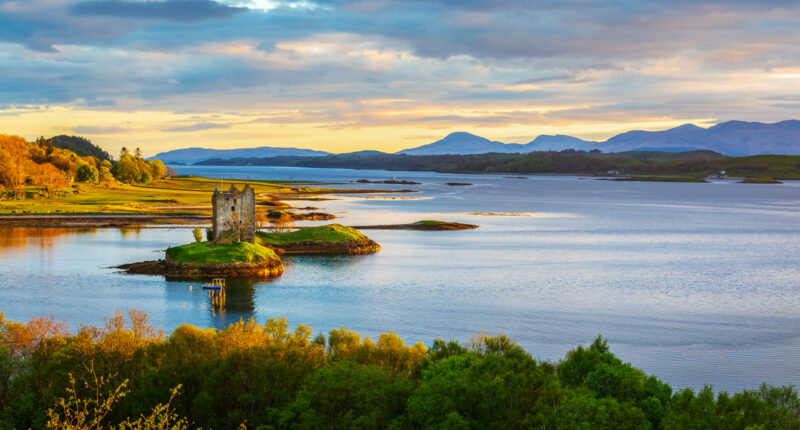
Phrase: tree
pixel 87 173
pixel 145 177
pixel 138 153
pixel 123 152
pixel 126 170
pixel 157 168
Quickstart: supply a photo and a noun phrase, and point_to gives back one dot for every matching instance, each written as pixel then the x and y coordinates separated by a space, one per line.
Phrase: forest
pixel 43 168
pixel 129 375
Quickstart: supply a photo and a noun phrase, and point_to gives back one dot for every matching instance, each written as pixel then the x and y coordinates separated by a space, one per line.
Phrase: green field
pixel 179 195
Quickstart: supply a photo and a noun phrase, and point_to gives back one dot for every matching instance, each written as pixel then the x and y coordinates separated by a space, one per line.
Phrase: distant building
pixel 234 215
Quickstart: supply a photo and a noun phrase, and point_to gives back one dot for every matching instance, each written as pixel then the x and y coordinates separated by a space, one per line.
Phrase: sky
pixel 350 75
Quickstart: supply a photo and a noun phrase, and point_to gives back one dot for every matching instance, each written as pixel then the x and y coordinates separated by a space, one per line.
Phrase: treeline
pixel 129 375
pixel 80 146
pixel 133 169
pixel 693 163
pixel 49 168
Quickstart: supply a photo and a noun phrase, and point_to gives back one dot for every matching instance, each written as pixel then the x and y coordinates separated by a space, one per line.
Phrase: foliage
pixel 80 146
pixel 325 233
pixel 50 169
pixel 87 173
pixel 198 235
pixel 38 164
pixel 126 375
pixel 203 253
pixel 132 169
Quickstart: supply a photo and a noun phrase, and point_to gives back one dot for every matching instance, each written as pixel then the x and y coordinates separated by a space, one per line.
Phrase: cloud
pixel 88 129
pixel 197 127
pixel 189 11
pixel 332 64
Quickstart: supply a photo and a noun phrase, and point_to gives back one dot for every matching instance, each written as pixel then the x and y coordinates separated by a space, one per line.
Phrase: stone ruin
pixel 234 216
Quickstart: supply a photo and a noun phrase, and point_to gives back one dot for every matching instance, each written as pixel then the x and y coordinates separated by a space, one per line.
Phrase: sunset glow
pixel 347 76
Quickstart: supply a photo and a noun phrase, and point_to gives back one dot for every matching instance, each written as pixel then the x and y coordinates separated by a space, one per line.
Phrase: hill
pixel 737 138
pixel 80 146
pixel 558 142
pixel 193 155
pixel 463 143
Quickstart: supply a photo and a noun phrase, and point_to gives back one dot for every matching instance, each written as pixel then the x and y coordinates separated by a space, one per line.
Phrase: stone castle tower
pixel 234 215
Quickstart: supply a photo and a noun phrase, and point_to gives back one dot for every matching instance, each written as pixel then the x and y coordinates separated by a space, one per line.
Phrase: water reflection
pixel 21 237
pixel 239 300
pixel 130 232
pixel 697 283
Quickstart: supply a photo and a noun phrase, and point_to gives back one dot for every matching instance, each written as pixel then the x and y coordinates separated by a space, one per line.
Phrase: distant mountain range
pixel 734 138
pixel 193 155
pixel 467 143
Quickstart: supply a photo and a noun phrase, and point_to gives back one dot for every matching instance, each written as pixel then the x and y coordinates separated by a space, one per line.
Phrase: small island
pixel 231 250
pixel 388 181
pixel 200 259
pixel 293 216
pixel 427 225
pixel 328 239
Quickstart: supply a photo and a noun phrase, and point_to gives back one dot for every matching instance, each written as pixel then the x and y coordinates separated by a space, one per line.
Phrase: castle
pixel 234 215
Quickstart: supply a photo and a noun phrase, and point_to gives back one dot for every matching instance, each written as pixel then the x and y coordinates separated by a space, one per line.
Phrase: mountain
pixel 463 143
pixel 193 155
pixel 734 138
pixel 558 142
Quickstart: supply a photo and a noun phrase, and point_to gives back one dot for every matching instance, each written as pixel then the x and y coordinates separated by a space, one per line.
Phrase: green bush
pixel 126 170
pixel 87 173
pixel 198 235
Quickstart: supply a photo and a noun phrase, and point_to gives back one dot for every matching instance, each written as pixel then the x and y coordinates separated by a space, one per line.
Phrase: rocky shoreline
pixel 183 270
pixel 362 247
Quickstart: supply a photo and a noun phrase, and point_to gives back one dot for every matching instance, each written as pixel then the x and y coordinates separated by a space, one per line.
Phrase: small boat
pixel 216 284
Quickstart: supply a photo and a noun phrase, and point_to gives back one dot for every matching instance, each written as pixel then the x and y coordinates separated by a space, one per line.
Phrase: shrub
pixel 198 235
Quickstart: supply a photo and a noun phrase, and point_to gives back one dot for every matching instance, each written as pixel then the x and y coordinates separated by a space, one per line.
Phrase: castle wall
pixel 233 206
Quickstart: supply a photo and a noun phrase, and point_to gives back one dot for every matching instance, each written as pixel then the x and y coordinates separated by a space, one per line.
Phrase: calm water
pixel 696 283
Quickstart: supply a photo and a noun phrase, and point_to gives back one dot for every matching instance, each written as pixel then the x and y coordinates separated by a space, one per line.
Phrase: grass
pixel 200 253
pixel 331 233
pixel 760 180
pixel 180 195
pixel 774 166
pixel 430 222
